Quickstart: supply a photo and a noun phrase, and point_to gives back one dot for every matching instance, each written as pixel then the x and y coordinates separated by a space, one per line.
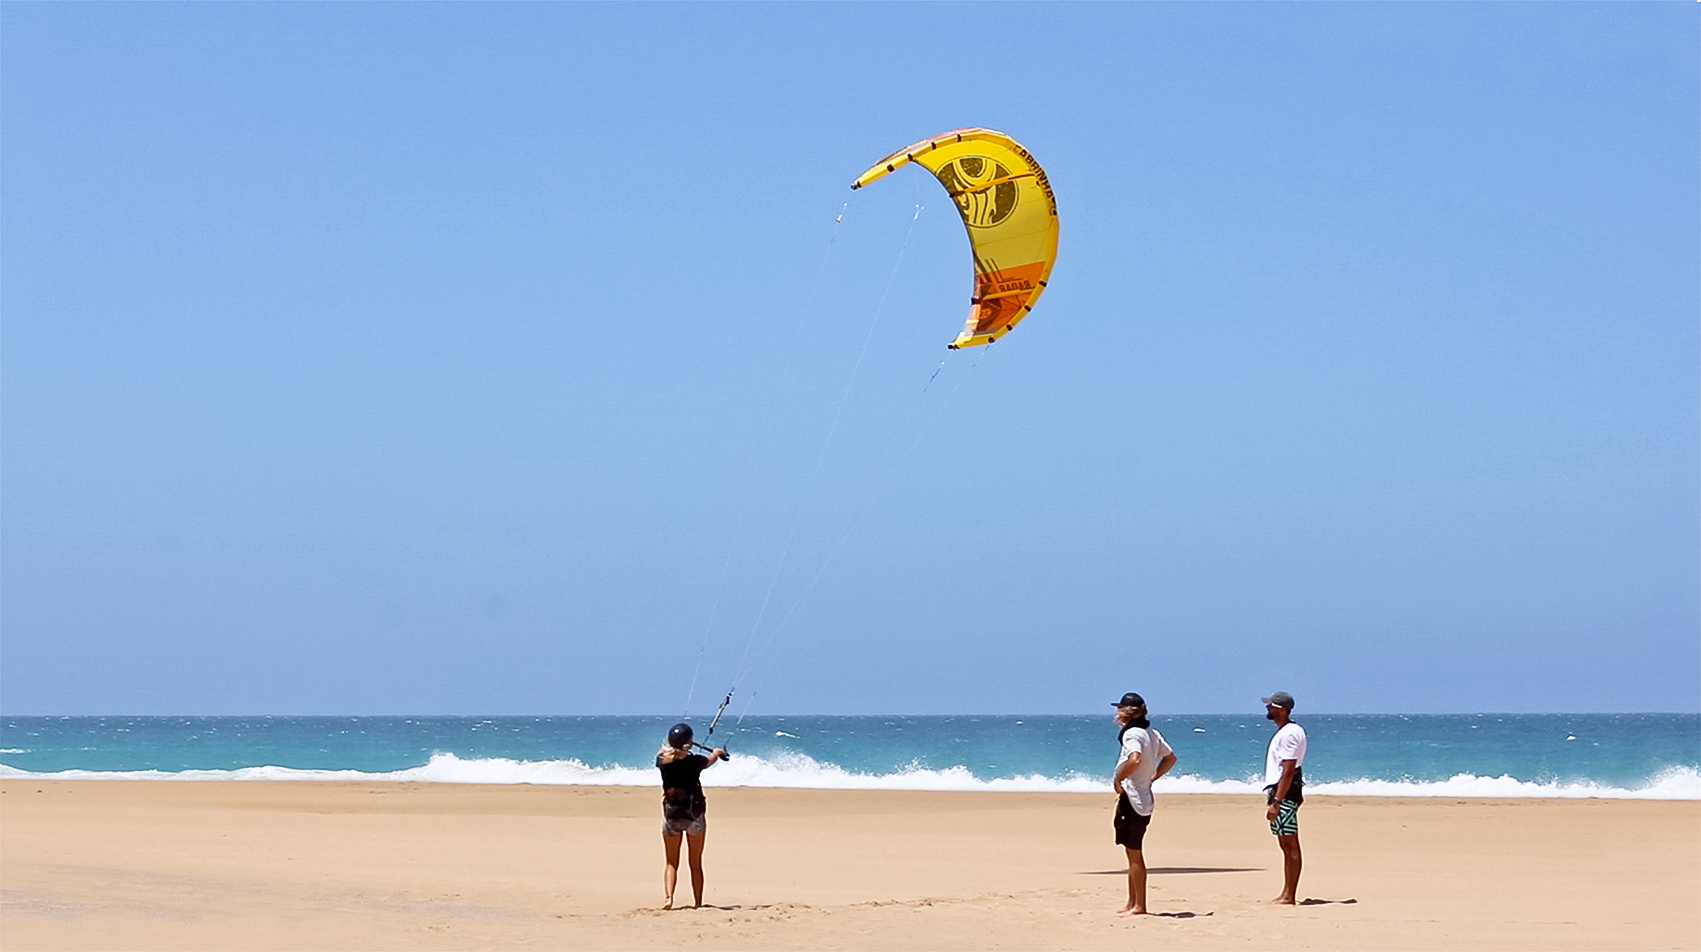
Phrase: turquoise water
pixel 1616 755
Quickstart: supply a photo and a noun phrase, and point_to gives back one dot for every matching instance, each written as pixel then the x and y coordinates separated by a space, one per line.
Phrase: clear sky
pixel 476 358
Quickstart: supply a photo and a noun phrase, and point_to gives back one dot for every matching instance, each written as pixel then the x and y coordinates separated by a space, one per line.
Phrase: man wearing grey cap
pixel 1284 782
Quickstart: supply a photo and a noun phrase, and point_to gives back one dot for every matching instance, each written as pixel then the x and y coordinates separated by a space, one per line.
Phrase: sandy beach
pixel 234 865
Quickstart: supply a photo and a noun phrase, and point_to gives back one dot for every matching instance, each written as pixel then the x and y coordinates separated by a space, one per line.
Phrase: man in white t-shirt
pixel 1284 782
pixel 1145 757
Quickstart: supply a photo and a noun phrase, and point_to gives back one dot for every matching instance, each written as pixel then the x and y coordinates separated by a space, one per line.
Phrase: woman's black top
pixel 682 787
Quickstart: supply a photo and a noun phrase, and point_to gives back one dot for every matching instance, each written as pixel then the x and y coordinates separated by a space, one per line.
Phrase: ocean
pixel 1650 756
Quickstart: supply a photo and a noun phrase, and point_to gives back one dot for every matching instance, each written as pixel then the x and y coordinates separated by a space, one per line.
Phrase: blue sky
pixel 446 358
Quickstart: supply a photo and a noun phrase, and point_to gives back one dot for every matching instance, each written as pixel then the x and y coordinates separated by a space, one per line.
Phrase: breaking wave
pixel 797 771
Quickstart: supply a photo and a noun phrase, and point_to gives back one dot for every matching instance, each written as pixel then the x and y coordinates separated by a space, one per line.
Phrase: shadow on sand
pixel 1174 870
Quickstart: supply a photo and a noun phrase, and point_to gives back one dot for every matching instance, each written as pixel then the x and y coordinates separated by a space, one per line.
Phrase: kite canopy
pixel 1010 214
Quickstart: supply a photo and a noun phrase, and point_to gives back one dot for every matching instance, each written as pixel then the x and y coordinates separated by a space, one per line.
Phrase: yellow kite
pixel 1010 214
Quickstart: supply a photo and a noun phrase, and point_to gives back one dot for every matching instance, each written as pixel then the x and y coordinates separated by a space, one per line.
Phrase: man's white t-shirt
pixel 1288 744
pixel 1150 745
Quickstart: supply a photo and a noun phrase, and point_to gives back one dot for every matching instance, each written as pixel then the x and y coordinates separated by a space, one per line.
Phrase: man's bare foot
pixel 1283 900
pixel 1131 911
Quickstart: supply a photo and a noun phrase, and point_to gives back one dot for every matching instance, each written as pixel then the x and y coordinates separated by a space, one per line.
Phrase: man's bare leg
pixel 1136 884
pixel 696 854
pixel 1291 862
pixel 670 875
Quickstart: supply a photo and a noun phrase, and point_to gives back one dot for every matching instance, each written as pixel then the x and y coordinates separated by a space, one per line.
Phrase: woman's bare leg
pixel 670 876
pixel 696 852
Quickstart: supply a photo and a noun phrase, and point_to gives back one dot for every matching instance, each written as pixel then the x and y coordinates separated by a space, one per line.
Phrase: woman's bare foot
pixel 668 904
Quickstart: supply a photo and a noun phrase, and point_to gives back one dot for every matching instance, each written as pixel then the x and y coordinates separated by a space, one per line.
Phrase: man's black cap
pixel 1130 700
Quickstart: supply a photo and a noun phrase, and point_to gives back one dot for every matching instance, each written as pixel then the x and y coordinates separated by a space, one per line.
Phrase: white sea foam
pixel 442 768
pixel 797 771
pixel 1675 783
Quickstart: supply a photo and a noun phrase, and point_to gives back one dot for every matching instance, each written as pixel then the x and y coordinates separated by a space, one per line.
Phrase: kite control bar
pixel 707 749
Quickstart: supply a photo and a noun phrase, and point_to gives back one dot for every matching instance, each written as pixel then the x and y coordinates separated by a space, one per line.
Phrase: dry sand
pixel 188 865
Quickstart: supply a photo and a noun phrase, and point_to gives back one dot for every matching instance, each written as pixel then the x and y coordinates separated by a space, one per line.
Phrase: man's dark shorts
pixel 1130 826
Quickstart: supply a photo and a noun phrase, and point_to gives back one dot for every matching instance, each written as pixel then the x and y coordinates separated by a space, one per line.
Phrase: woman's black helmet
pixel 679 735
